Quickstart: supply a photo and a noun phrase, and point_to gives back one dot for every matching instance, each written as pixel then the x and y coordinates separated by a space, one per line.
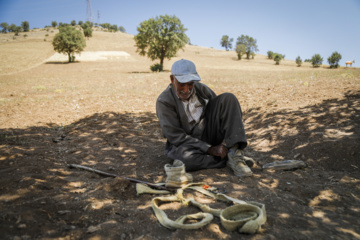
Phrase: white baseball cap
pixel 184 71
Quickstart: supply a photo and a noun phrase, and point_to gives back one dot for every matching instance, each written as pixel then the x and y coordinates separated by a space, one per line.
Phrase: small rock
pixel 92 229
pixel 23 225
pixel 62 212
pixel 285 165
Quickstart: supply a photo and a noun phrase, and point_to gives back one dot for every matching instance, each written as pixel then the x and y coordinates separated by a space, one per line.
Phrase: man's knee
pixel 228 97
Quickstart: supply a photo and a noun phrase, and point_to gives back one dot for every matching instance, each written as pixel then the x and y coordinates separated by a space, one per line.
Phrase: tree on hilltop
pixel 87 29
pixel 334 59
pixel 12 28
pixel 226 42
pixel 250 44
pixel 54 24
pixel 316 60
pixel 122 29
pixel 25 26
pixel 270 54
pixel 4 26
pixel 277 58
pixel 69 41
pixel 240 50
pixel 161 37
pixel 88 32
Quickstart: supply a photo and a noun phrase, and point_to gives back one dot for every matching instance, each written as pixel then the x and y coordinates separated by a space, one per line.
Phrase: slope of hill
pixel 102 114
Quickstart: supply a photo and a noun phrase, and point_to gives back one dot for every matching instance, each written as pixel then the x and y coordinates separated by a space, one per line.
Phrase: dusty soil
pixel 101 114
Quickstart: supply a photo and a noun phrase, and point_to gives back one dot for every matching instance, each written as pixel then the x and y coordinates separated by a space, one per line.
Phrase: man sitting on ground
pixel 197 123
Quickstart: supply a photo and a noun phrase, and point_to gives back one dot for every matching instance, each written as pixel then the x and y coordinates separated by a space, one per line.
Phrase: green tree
pixel 250 44
pixel 25 26
pixel 12 28
pixel 87 29
pixel 277 58
pixel 298 61
pixel 89 23
pixel 54 24
pixel 88 32
pixel 17 30
pixel 4 27
pixel 69 41
pixel 240 50
pixel 80 23
pixel 226 42
pixel 334 59
pixel 73 23
pixel 160 37
pixel 105 25
pixel 316 60
pixel 270 54
pixel 114 28
pixel 122 29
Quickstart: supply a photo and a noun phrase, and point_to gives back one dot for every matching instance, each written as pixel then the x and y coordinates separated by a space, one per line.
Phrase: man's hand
pixel 218 151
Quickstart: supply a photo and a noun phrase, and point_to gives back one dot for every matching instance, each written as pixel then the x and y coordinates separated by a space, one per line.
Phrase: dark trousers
pixel 223 123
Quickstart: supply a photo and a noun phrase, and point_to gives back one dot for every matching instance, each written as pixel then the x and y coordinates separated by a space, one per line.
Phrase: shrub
pixel 316 60
pixel 88 32
pixel 157 67
pixel 240 50
pixel 298 61
pixel 270 55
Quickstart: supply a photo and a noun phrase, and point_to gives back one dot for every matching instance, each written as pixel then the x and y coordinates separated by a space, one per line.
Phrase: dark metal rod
pixel 114 175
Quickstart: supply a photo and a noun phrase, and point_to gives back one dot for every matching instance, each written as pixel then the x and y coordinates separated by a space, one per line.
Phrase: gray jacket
pixel 174 122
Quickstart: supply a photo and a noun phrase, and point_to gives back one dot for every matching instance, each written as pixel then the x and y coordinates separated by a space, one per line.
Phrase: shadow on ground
pixel 40 197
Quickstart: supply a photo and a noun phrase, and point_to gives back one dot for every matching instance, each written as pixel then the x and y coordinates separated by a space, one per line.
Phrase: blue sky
pixel 293 28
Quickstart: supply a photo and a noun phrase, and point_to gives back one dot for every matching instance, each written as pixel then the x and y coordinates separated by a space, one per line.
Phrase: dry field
pixel 100 112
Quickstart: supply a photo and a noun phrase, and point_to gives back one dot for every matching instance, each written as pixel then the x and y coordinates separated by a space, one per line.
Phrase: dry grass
pixel 60 93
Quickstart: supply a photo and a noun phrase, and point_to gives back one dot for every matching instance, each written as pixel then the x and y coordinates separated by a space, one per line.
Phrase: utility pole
pixel 89 12
pixel 98 18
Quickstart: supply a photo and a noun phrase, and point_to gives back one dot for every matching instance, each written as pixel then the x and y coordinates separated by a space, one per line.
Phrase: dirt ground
pixel 101 114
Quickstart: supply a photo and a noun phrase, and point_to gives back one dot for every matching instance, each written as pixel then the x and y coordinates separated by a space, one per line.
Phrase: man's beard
pixel 183 95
